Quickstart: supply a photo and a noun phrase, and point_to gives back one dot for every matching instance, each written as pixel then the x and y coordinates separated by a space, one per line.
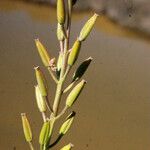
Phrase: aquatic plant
pixel 59 72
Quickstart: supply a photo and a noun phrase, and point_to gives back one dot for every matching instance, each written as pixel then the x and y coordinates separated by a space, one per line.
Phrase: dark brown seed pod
pixel 82 69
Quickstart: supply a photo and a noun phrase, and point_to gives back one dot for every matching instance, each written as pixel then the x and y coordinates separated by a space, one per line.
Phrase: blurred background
pixel 113 112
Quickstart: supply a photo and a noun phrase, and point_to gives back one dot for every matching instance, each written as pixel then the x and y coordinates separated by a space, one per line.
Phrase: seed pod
pixel 67 124
pixel 26 128
pixel 59 62
pixel 87 27
pixel 41 81
pixel 43 53
pixel 60 11
pixel 67 147
pixel 45 133
pixel 82 69
pixel 60 32
pixel 74 53
pixel 72 97
pixel 41 101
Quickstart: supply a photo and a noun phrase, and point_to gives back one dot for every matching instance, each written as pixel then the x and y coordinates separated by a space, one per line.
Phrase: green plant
pixel 66 59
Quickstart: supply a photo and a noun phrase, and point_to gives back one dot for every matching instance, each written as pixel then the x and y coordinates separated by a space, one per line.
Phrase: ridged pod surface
pixel 74 53
pixel 26 128
pixel 60 11
pixel 42 52
pixel 41 81
pixel 72 97
pixel 87 27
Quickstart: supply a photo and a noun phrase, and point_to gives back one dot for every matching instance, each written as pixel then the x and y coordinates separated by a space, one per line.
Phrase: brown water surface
pixel 113 112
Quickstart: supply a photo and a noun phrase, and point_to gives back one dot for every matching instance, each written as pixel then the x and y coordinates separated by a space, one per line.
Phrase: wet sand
pixel 113 111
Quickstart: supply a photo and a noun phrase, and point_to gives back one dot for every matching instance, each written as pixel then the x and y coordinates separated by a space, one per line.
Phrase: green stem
pixel 70 86
pixel 43 116
pixel 52 75
pixel 57 97
pixel 63 74
pixel 61 46
pixel 48 105
pixel 31 146
pixel 62 79
pixel 62 112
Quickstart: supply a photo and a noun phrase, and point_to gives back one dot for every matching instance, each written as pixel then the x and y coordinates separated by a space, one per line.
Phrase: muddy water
pixel 113 111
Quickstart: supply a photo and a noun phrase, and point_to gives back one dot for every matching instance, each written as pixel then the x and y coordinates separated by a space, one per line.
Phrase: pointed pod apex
pixel 41 81
pixel 82 69
pixel 74 53
pixel 68 147
pixel 74 94
pixel 61 15
pixel 67 124
pixel 26 128
pixel 41 101
pixel 45 133
pixel 88 27
pixel 42 52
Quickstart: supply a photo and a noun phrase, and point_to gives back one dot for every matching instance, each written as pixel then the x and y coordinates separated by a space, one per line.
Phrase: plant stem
pixel 69 16
pixel 48 105
pixel 62 79
pixel 61 46
pixel 62 112
pixel 41 147
pixel 57 97
pixel 44 116
pixel 55 142
pixel 63 74
pixel 52 75
pixel 69 87
pixel 31 146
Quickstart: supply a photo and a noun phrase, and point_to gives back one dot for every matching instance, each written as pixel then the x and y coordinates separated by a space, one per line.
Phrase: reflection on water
pixel 113 110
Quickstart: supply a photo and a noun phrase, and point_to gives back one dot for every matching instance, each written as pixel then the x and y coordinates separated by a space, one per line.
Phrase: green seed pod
pixel 43 53
pixel 59 62
pixel 67 124
pixel 87 27
pixel 26 128
pixel 41 81
pixel 60 32
pixel 41 101
pixel 72 97
pixel 82 69
pixel 60 11
pixel 74 53
pixel 67 147
pixel 45 133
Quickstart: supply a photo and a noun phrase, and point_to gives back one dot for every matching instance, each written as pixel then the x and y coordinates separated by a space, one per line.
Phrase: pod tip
pixel 90 58
pixel 36 68
pixel 71 145
pixel 36 40
pixel 96 14
pixel 84 81
pixel 23 114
